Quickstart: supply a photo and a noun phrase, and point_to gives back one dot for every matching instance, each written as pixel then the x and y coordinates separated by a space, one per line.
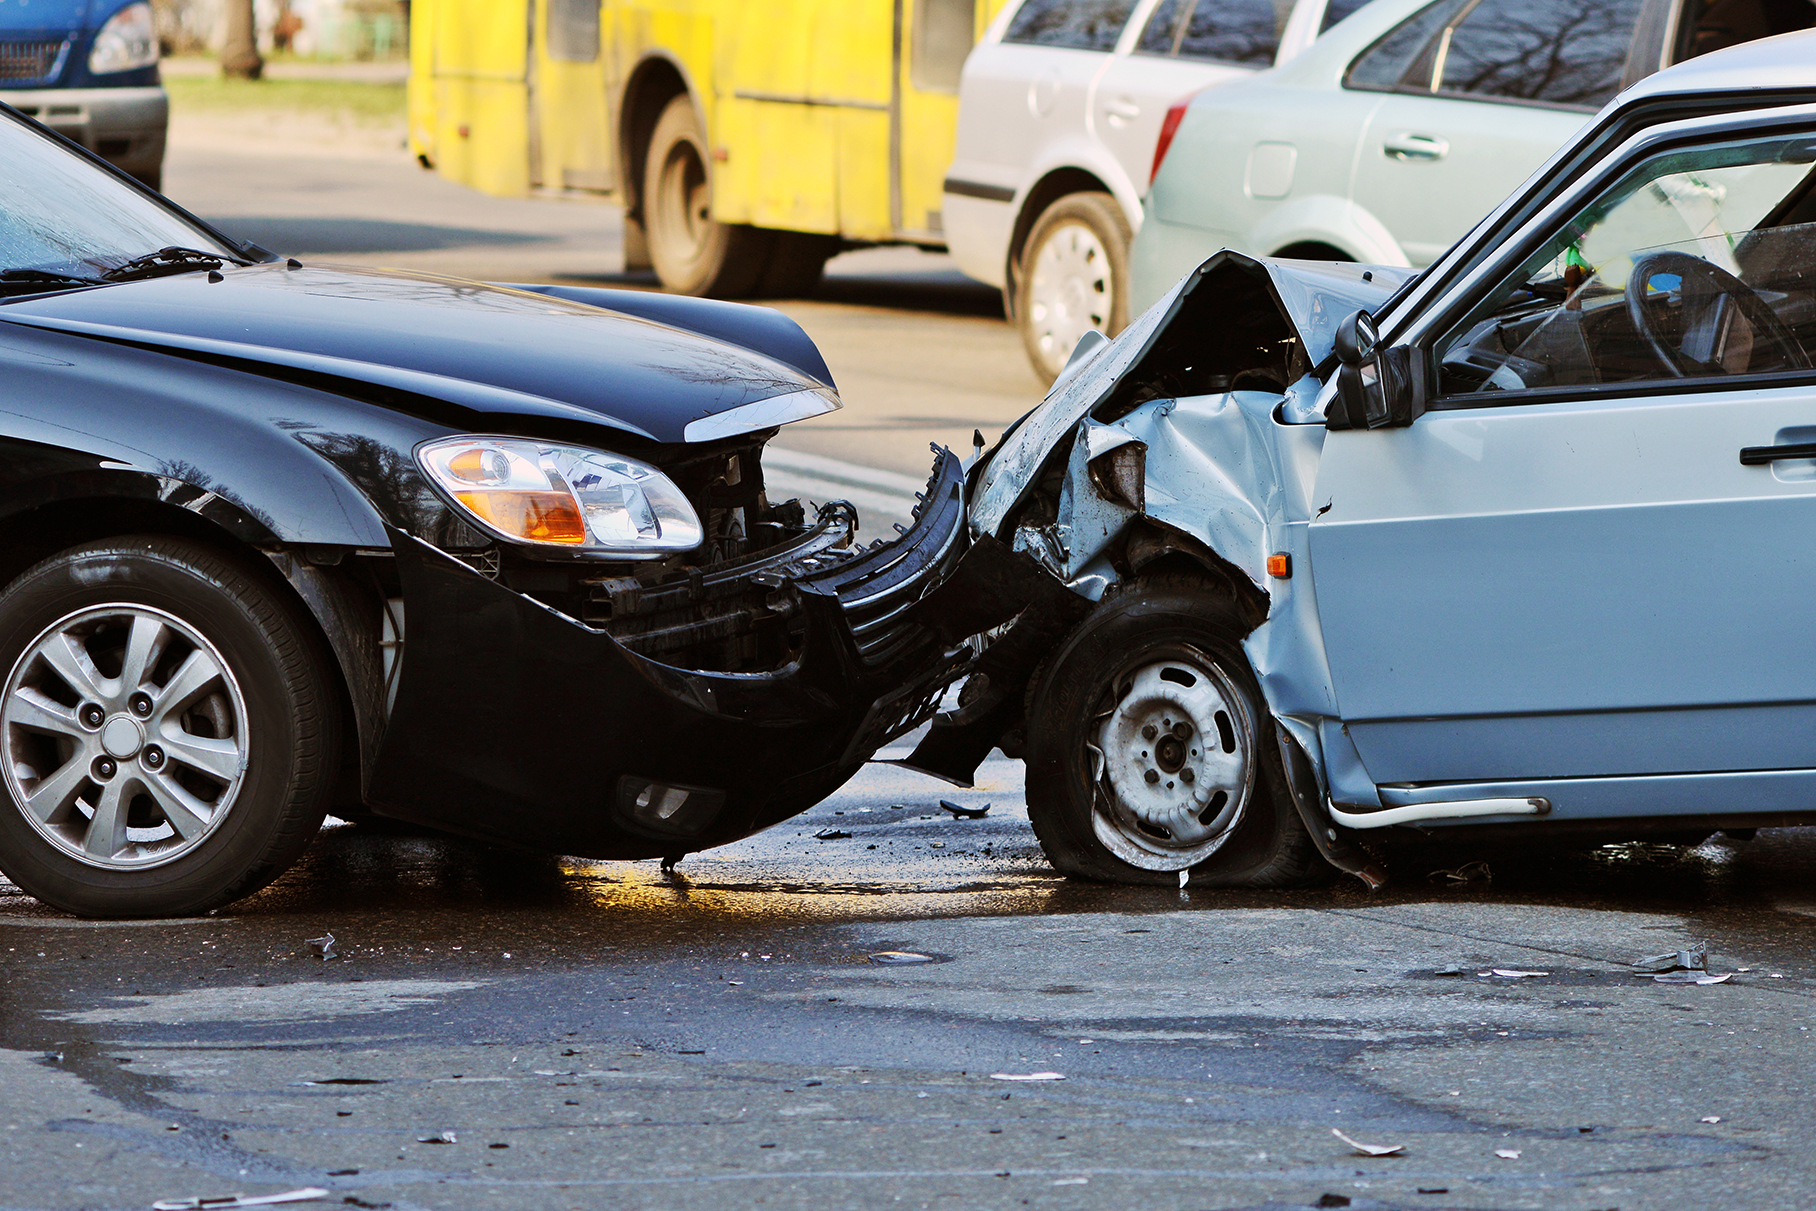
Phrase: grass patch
pixel 356 99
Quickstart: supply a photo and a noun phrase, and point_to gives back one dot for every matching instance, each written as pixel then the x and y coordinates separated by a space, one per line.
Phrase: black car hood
pixel 491 349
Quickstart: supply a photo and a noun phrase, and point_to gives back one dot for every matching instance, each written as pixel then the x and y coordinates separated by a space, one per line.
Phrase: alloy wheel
pixel 124 735
pixel 1071 291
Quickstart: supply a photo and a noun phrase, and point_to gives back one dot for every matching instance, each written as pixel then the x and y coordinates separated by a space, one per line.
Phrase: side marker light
pixel 1280 566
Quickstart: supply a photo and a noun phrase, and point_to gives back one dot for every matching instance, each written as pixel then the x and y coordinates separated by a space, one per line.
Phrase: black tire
pixel 271 702
pixel 1254 839
pixel 797 262
pixel 1072 275
pixel 692 252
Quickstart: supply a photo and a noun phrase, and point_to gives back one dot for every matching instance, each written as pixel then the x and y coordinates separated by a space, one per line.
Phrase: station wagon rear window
pixel 1074 24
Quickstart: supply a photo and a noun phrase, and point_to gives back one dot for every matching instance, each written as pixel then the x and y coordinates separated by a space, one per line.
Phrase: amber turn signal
pixel 537 516
pixel 1280 566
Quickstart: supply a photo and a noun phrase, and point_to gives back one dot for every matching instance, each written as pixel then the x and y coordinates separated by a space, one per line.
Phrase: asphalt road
pixel 584 1034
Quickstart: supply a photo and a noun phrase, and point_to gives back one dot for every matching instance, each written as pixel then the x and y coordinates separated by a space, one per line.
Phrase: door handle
pixel 1759 456
pixel 1410 146
pixel 1122 108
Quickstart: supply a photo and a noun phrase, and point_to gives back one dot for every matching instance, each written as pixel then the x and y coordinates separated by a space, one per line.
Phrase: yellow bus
pixel 749 140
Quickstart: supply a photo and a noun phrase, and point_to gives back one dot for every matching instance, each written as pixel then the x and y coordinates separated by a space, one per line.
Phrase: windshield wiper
pixel 37 281
pixel 166 261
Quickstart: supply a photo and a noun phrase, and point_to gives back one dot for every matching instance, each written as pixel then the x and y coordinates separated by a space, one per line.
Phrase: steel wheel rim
pixel 1070 291
pixel 684 207
pixel 125 736
pixel 1169 798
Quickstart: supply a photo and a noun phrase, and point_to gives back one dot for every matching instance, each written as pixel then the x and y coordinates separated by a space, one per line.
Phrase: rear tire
pixel 1149 753
pixel 170 732
pixel 1072 277
pixel 691 251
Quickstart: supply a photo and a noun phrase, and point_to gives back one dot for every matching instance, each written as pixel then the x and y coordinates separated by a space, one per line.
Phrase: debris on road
pixel 1691 977
pixel 1026 1076
pixel 446 1137
pixel 305 1195
pixel 322 947
pixel 965 813
pixel 1694 958
pixel 831 834
pixel 1449 969
pixel 1711 1118
pixel 1513 973
pixel 899 958
pixel 1363 1149
pixel 1508 1154
pixel 1469 872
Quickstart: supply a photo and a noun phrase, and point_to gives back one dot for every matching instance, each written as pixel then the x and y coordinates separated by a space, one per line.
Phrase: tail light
pixel 1169 126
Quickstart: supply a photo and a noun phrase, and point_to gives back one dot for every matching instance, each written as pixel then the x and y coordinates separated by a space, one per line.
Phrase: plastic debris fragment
pixel 1363 1149
pixel 1026 1076
pixel 1508 1154
pixel 831 834
pixel 1449 969
pixel 446 1137
pixel 965 813
pixel 899 958
pixel 1711 1118
pixel 1691 977
pixel 1694 958
pixel 1469 872
pixel 322 947
pixel 305 1195
pixel 1513 973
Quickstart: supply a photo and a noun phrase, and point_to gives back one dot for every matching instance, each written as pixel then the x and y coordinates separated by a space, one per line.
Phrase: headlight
pixel 563 496
pixel 128 40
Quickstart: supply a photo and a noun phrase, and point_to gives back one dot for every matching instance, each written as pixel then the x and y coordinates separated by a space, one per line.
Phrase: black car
pixel 282 539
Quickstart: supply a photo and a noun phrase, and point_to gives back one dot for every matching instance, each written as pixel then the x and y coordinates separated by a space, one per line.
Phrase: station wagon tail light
pixel 128 40
pixel 563 496
pixel 1169 126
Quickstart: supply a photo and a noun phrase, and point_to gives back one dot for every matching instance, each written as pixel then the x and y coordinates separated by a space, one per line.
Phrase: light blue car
pixel 1524 543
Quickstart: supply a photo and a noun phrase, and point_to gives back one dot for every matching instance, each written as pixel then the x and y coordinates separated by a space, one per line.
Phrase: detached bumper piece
pixel 519 724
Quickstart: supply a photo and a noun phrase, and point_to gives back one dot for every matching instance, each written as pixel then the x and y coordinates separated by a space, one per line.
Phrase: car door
pixel 1473 96
pixel 1184 46
pixel 1567 567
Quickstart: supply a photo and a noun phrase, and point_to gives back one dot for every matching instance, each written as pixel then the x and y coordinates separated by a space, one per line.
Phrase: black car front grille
pixel 879 588
pixel 22 61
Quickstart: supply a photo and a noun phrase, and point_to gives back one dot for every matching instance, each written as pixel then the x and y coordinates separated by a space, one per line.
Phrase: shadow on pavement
pixel 301 236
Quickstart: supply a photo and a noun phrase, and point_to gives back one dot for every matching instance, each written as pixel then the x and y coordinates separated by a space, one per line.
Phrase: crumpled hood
pixel 493 349
pixel 1313 297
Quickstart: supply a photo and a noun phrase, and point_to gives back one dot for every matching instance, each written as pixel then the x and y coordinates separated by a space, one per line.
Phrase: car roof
pixel 1786 62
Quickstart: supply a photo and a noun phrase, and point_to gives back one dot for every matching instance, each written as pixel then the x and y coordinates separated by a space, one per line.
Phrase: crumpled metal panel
pixel 1314 297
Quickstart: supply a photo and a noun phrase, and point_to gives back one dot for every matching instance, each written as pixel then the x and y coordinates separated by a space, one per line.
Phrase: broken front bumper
pixel 516 723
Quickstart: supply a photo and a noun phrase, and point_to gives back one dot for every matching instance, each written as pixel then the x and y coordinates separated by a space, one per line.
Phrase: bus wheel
pixel 693 253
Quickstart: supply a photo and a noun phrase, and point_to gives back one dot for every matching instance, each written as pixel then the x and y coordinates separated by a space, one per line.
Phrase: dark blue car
pixel 88 69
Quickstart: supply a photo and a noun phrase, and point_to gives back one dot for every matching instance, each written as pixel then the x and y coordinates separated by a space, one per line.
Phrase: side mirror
pixel 1376 388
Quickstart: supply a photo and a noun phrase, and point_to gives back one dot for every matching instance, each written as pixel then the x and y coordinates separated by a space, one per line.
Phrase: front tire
pixel 169 732
pixel 1073 277
pixel 1148 754
pixel 692 252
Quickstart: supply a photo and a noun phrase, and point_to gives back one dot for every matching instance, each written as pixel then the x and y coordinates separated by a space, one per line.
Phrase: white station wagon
pixel 1061 106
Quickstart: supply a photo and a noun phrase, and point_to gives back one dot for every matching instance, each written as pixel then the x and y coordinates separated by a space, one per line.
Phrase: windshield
pixel 61 214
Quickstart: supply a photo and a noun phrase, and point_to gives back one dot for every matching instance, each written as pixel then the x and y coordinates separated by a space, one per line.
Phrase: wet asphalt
pixel 592 1033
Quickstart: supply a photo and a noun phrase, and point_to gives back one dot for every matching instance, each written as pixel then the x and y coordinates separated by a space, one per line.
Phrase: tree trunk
pixel 240 46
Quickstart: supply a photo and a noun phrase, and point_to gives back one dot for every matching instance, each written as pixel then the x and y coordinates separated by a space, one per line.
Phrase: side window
pixel 1223 31
pixel 1567 52
pixel 1698 263
pixel 1392 62
pixel 1337 10
pixel 574 30
pixel 942 38
pixel 1708 25
pixel 1076 24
